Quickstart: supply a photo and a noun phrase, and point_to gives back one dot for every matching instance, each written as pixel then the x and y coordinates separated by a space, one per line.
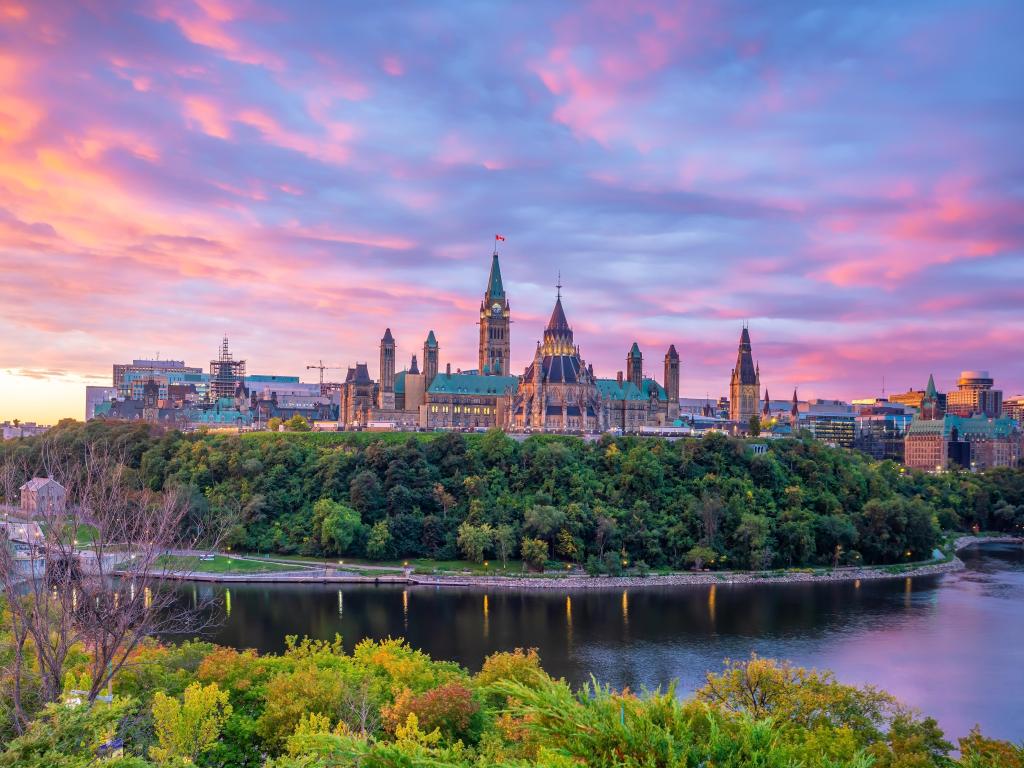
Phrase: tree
pixel 335 525
pixel 535 553
pixel 698 556
pixel 754 425
pixel 274 423
pixel 504 542
pixel 444 499
pixel 566 546
pixel 103 553
pixel 766 688
pixel 475 540
pixel 751 538
pixel 186 729
pixel 378 546
pixel 297 423
pixel 543 521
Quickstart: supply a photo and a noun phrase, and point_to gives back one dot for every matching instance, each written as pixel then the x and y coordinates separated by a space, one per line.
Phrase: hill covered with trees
pixel 706 502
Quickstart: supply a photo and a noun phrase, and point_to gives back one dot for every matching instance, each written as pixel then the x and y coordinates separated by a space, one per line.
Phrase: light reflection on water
pixel 950 645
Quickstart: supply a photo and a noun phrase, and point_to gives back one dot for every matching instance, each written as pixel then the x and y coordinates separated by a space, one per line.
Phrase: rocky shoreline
pixel 582 582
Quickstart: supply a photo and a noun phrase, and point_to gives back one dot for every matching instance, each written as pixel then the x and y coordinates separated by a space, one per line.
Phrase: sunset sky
pixel 846 176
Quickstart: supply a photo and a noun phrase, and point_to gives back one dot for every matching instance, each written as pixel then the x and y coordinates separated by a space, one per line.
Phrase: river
pixel 951 645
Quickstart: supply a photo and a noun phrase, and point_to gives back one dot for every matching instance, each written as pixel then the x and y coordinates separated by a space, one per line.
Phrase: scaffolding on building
pixel 226 373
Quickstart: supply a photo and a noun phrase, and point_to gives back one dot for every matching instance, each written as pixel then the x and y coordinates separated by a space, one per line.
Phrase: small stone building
pixel 42 495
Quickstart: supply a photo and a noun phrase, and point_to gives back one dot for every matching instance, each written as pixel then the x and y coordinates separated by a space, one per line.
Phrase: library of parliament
pixel 557 392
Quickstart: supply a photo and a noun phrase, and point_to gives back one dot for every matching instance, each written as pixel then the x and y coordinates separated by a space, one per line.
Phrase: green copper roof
pixel 400 382
pixel 634 352
pixel 974 427
pixel 431 341
pixel 472 384
pixel 931 392
pixel 651 383
pixel 610 389
pixel 495 290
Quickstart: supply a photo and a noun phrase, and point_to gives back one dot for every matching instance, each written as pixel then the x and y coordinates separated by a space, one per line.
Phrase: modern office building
pixel 975 395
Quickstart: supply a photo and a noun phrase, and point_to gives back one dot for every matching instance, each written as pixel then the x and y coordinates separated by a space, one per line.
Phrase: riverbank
pixel 316 575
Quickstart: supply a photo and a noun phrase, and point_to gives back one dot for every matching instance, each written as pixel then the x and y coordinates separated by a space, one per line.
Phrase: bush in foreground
pixel 386 704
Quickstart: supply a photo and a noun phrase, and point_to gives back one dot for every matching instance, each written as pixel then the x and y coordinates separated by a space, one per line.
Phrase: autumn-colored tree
pixel 187 728
pixel 448 708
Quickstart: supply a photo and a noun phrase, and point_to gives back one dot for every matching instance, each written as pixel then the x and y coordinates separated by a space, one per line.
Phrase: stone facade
pixel 558 391
pixel 745 383
pixel 975 443
pixel 495 316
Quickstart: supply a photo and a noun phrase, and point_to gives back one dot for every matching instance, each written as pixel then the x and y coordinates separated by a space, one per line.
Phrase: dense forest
pixel 386 705
pixel 710 502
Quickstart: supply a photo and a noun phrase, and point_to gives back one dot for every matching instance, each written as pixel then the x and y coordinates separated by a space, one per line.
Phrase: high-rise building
pixel 974 395
pixel 495 341
pixel 146 368
pixel 1013 408
pixel 745 383
pixel 386 392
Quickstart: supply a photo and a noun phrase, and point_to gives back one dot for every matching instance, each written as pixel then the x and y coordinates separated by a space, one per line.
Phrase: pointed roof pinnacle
pixel 634 351
pixel 931 392
pixel 431 340
pixel 495 289
pixel 387 336
pixel 672 352
pixel 558 321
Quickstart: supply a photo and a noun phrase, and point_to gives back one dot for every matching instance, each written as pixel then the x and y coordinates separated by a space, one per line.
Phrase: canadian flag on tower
pixel 499 237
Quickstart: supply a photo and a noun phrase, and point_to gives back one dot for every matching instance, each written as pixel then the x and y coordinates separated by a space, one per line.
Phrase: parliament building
pixel 557 392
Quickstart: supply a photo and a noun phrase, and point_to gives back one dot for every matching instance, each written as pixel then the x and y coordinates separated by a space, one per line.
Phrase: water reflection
pixel 947 644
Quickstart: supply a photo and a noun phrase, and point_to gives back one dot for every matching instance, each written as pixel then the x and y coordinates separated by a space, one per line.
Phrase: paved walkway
pixel 337 574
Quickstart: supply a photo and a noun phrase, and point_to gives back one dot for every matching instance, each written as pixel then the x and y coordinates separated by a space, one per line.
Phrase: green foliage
pixel 187 728
pixel 66 737
pixel 475 540
pixel 389 705
pixel 800 504
pixel 335 525
pixel 297 423
pixel 534 553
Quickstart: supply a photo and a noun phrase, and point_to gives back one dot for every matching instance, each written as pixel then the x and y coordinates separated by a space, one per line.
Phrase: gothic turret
pixel 672 383
pixel 430 359
pixel 386 391
pixel 745 382
pixel 635 366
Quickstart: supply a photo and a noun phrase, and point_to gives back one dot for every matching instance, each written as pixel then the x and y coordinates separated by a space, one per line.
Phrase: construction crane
pixel 321 367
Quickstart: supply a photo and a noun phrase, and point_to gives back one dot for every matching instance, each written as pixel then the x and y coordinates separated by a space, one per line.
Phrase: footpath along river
pixel 950 644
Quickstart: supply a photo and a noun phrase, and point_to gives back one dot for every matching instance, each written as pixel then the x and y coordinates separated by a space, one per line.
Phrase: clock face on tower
pixel 496 309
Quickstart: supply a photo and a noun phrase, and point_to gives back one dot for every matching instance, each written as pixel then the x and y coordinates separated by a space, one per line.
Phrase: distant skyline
pixel 848 178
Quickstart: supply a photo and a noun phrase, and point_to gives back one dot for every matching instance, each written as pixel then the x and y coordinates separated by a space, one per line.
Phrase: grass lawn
pixel 223 564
